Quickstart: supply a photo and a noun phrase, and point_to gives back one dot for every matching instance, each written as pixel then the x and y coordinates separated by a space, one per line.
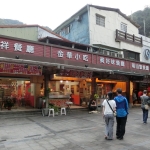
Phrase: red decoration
pixel 19 69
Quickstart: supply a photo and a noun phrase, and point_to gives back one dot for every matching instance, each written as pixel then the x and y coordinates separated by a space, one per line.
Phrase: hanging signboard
pixel 13 68
pixel 75 73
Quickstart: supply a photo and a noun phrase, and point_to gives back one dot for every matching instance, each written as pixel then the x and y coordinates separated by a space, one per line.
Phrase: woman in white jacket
pixel 109 115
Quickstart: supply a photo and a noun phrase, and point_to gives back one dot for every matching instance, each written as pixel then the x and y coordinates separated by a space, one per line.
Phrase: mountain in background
pixel 16 22
pixel 140 17
pixel 10 22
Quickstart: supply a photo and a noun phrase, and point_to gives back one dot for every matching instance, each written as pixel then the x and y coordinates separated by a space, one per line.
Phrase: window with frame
pixel 100 20
pixel 131 55
pixel 123 27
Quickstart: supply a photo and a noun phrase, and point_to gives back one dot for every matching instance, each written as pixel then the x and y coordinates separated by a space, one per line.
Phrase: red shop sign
pixel 13 68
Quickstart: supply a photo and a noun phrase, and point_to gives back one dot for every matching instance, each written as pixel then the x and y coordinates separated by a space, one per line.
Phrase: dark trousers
pixel 121 123
pixel 92 108
pixel 145 115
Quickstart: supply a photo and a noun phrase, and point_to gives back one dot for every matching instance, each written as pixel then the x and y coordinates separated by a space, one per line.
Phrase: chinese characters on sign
pixel 111 61
pixel 70 55
pixel 4 45
pixel 30 49
pixel 140 66
pixel 76 73
pixel 60 54
pixel 17 47
pixel 19 69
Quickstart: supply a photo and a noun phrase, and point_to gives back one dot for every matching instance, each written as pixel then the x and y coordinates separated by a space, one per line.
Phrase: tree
pixel 139 17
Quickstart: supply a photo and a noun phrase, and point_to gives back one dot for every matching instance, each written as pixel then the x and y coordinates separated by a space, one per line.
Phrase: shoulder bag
pixel 145 105
pixel 114 112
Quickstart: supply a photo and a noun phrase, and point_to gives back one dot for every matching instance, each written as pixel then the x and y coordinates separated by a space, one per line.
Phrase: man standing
pixel 122 112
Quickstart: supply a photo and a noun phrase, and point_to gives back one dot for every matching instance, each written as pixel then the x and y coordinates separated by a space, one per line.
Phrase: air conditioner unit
pixel 114 54
pixel 120 55
pixel 79 18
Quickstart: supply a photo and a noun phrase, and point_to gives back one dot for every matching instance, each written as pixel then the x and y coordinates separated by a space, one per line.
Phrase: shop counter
pixel 58 101
pixel 58 98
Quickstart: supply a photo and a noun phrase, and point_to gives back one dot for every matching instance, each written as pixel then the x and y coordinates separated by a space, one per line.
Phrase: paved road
pixel 76 131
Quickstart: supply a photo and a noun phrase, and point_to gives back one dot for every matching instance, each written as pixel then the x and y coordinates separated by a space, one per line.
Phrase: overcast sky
pixel 52 13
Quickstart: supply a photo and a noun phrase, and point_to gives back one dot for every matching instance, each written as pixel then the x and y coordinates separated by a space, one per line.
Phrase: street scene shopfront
pixel 34 67
pixel 16 84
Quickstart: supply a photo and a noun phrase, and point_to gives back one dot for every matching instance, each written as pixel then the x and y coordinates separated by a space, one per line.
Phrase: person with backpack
pixel 122 112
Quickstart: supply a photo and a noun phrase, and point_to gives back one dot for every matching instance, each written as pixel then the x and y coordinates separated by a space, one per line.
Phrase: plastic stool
pixel 63 111
pixel 51 110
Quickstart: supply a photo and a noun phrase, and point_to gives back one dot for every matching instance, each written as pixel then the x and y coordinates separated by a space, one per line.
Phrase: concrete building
pixel 108 29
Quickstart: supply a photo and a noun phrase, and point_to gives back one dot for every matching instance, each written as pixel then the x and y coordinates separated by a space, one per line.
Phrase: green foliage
pixel 96 96
pixel 139 17
pixel 56 109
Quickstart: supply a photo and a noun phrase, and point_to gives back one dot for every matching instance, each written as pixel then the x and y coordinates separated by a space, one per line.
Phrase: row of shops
pixel 28 69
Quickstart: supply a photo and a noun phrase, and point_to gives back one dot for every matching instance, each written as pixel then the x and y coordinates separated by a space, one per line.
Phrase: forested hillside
pixel 140 17
pixel 10 22
pixel 15 22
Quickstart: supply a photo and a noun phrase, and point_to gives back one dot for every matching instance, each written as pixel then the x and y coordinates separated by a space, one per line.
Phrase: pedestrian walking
pixel 144 106
pixel 122 112
pixel 109 106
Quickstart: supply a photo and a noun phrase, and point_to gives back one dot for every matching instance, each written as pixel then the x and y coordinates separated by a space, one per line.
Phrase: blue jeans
pixel 145 115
